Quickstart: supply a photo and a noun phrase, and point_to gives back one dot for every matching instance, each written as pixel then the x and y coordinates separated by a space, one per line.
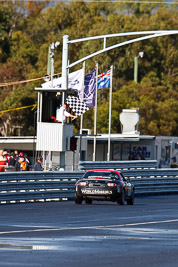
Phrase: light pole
pixel 50 63
pixel 140 54
pixel 52 48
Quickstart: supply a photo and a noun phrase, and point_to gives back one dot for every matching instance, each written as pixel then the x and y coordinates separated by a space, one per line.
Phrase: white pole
pixel 65 62
pixel 52 69
pixel 41 105
pixel 110 109
pixel 95 117
pixel 38 107
pixel 81 118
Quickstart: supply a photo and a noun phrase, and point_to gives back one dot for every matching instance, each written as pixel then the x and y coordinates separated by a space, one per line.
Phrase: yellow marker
pixel 3 111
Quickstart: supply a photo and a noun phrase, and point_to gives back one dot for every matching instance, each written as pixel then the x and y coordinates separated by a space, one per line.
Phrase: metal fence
pixel 120 165
pixel 19 187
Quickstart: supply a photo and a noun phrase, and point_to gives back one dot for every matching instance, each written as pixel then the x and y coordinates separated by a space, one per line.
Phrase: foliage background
pixel 28 27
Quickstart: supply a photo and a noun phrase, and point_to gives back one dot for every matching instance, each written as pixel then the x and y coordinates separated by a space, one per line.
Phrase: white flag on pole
pixel 75 81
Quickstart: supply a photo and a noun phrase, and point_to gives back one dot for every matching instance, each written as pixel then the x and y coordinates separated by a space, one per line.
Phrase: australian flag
pixel 104 80
pixel 89 89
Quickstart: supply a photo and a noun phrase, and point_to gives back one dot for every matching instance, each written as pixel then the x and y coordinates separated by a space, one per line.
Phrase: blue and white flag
pixel 89 89
pixel 104 80
pixel 75 81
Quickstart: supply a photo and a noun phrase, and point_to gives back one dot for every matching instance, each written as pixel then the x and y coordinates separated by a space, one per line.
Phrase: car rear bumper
pixel 98 193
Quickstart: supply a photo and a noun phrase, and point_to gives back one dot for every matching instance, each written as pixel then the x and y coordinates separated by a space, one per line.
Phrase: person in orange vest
pixel 21 164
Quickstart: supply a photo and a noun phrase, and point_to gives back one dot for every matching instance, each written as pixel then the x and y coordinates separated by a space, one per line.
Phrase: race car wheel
pixel 121 200
pixel 131 200
pixel 88 201
pixel 78 200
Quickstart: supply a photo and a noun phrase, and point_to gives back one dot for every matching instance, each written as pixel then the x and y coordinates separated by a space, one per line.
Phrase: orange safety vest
pixel 23 166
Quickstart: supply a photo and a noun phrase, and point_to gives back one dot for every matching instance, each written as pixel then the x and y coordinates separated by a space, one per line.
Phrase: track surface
pixel 102 234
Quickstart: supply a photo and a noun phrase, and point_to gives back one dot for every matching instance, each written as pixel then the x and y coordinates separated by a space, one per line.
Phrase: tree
pixel 35 7
pixel 26 31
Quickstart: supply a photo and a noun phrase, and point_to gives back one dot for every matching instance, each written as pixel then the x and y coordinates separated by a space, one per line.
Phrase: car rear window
pixel 100 174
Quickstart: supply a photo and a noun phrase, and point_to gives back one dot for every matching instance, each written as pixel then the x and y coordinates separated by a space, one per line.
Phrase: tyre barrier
pixel 20 187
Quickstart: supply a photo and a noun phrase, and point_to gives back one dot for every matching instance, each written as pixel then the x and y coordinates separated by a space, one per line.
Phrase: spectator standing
pixel 142 157
pixel 2 161
pixel 1 155
pixel 21 164
pixel 6 156
pixel 16 155
pixel 134 157
pixel 28 162
pixel 38 164
pixel 12 160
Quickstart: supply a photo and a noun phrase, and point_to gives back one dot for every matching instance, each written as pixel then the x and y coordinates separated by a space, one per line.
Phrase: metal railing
pixel 120 165
pixel 17 187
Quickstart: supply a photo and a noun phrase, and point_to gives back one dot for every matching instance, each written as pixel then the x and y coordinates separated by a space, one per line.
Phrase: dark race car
pixel 104 185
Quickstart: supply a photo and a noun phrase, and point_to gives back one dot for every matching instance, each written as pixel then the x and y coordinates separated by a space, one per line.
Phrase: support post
pixel 52 70
pixel 136 69
pixel 110 109
pixel 49 62
pixel 81 119
pixel 65 62
pixel 62 160
pixel 95 117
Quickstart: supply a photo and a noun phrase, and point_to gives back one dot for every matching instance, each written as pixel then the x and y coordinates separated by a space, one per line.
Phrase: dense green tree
pixel 28 28
pixel 139 8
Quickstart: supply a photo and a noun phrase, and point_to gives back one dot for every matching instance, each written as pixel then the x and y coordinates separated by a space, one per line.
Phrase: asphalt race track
pixel 102 234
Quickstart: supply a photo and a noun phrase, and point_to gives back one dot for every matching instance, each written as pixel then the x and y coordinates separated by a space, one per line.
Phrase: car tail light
pixel 82 183
pixel 111 184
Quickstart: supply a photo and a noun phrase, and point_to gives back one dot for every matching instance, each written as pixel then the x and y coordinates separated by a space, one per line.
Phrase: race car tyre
pixel 78 200
pixel 88 201
pixel 131 200
pixel 121 200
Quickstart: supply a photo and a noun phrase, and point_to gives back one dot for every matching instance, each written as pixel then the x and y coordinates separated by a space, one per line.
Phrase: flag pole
pixel 110 109
pixel 95 117
pixel 81 118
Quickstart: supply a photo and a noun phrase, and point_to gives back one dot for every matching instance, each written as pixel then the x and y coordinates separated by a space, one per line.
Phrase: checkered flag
pixel 77 106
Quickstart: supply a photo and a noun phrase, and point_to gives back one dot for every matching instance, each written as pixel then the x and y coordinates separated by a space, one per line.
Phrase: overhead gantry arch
pixel 145 35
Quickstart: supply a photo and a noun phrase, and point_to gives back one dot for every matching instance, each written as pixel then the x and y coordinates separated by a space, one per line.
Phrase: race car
pixel 104 185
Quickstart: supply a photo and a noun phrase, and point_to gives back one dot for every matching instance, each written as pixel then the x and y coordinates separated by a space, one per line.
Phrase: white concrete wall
pixel 167 152
pixel 53 136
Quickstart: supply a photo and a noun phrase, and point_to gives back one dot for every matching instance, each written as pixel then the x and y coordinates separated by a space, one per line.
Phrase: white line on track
pixel 86 227
pixel 143 223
